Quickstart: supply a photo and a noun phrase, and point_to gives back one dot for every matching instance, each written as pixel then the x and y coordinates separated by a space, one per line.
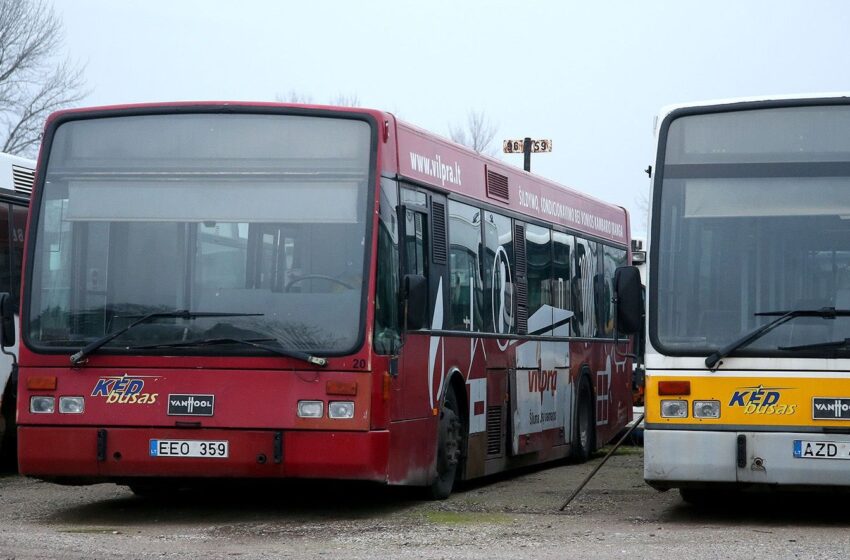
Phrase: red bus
pixel 272 290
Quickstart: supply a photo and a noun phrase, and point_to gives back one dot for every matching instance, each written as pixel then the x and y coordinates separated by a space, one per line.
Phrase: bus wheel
pixel 584 434
pixel 448 448
pixel 8 435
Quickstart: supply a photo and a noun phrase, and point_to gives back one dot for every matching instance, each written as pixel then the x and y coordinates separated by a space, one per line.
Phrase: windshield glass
pixel 228 213
pixel 753 216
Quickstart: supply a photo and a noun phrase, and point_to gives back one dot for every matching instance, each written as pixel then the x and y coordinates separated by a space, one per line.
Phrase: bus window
pixel 464 269
pixel 582 284
pixel 562 250
pixel 19 226
pixel 538 249
pixel 611 259
pixel 499 273
pixel 5 256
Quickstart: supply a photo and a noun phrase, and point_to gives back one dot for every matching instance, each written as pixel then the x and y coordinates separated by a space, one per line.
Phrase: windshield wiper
pixel 78 357
pixel 835 344
pixel 712 361
pixel 254 342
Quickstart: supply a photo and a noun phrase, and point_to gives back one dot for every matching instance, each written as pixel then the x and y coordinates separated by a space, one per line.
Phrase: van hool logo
pixel 826 408
pixel 191 405
pixel 762 400
pixel 123 389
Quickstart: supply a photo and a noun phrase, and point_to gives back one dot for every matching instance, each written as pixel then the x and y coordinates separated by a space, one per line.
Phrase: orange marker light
pixel 347 388
pixel 43 383
pixel 674 387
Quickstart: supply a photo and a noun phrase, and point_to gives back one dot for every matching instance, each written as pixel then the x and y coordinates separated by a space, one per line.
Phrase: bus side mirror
pixel 415 293
pixel 7 320
pixel 629 297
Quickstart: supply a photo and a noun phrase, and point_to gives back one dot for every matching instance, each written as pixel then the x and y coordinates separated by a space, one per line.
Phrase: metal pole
pixel 599 466
pixel 526 151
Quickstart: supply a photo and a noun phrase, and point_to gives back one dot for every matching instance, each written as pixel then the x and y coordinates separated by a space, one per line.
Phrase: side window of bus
pixel 386 340
pixel 562 254
pixel 585 272
pixel 5 250
pixel 538 254
pixel 611 259
pixel 19 225
pixel 499 307
pixel 414 242
pixel 465 295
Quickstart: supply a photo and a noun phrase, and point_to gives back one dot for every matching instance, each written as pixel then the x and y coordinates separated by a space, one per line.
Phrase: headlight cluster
pixel 47 405
pixel 678 408
pixel 316 409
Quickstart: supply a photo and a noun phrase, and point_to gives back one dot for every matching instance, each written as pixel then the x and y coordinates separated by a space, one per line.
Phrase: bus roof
pixel 667 109
pixel 16 174
pixel 427 158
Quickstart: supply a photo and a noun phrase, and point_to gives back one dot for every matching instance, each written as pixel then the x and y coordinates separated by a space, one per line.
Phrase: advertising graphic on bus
pixel 271 290
pixel 749 297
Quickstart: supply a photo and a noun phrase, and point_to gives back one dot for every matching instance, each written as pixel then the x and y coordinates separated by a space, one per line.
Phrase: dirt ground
pixel 515 516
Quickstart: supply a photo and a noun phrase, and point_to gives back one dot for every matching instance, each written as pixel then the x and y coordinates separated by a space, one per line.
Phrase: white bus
pixel 16 179
pixel 748 347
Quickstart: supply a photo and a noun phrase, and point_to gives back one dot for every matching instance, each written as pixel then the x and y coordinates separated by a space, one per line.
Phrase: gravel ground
pixel 515 517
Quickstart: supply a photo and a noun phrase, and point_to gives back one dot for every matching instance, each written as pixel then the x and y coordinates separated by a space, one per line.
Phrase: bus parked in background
pixel 269 290
pixel 16 179
pixel 749 297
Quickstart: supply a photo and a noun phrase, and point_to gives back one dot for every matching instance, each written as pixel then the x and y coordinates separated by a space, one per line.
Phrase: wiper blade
pixel 81 355
pixel 253 342
pixel 835 344
pixel 712 361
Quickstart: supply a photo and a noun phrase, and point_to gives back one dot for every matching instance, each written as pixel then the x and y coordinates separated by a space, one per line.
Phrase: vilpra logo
pixel 191 405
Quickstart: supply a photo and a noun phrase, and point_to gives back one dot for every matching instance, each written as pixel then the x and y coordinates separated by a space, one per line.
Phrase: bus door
pixel 541 394
pixel 422 221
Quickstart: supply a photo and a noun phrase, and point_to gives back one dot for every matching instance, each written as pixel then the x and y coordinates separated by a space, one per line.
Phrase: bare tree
pixel 346 100
pixel 32 83
pixel 477 134
pixel 293 96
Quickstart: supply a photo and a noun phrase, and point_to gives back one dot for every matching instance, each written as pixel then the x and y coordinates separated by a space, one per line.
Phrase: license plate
pixel 189 448
pixel 807 449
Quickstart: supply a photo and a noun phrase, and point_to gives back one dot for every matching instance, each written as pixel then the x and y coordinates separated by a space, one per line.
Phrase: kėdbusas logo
pixel 123 389
pixel 762 400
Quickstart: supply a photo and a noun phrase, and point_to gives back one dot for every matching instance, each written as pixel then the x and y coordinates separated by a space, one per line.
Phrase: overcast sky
pixel 590 75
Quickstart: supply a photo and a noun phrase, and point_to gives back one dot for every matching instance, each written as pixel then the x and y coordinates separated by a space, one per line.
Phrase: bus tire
pixel 584 433
pixel 8 434
pixel 449 440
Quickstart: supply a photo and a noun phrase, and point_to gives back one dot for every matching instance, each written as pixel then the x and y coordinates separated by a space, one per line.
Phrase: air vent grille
pixel 497 186
pixel 494 430
pixel 23 179
pixel 438 234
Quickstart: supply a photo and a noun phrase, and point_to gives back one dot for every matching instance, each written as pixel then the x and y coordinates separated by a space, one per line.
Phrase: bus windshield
pixel 262 216
pixel 754 217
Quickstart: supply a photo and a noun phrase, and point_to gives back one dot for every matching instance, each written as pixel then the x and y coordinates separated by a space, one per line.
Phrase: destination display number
pixel 516 146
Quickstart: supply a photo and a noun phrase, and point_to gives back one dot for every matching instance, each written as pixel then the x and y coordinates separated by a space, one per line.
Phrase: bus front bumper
pixel 698 458
pixel 92 455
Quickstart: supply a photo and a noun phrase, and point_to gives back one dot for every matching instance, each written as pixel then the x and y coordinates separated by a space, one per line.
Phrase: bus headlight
pixel 674 409
pixel 71 405
pixel 310 409
pixel 42 405
pixel 341 409
pixel 706 409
